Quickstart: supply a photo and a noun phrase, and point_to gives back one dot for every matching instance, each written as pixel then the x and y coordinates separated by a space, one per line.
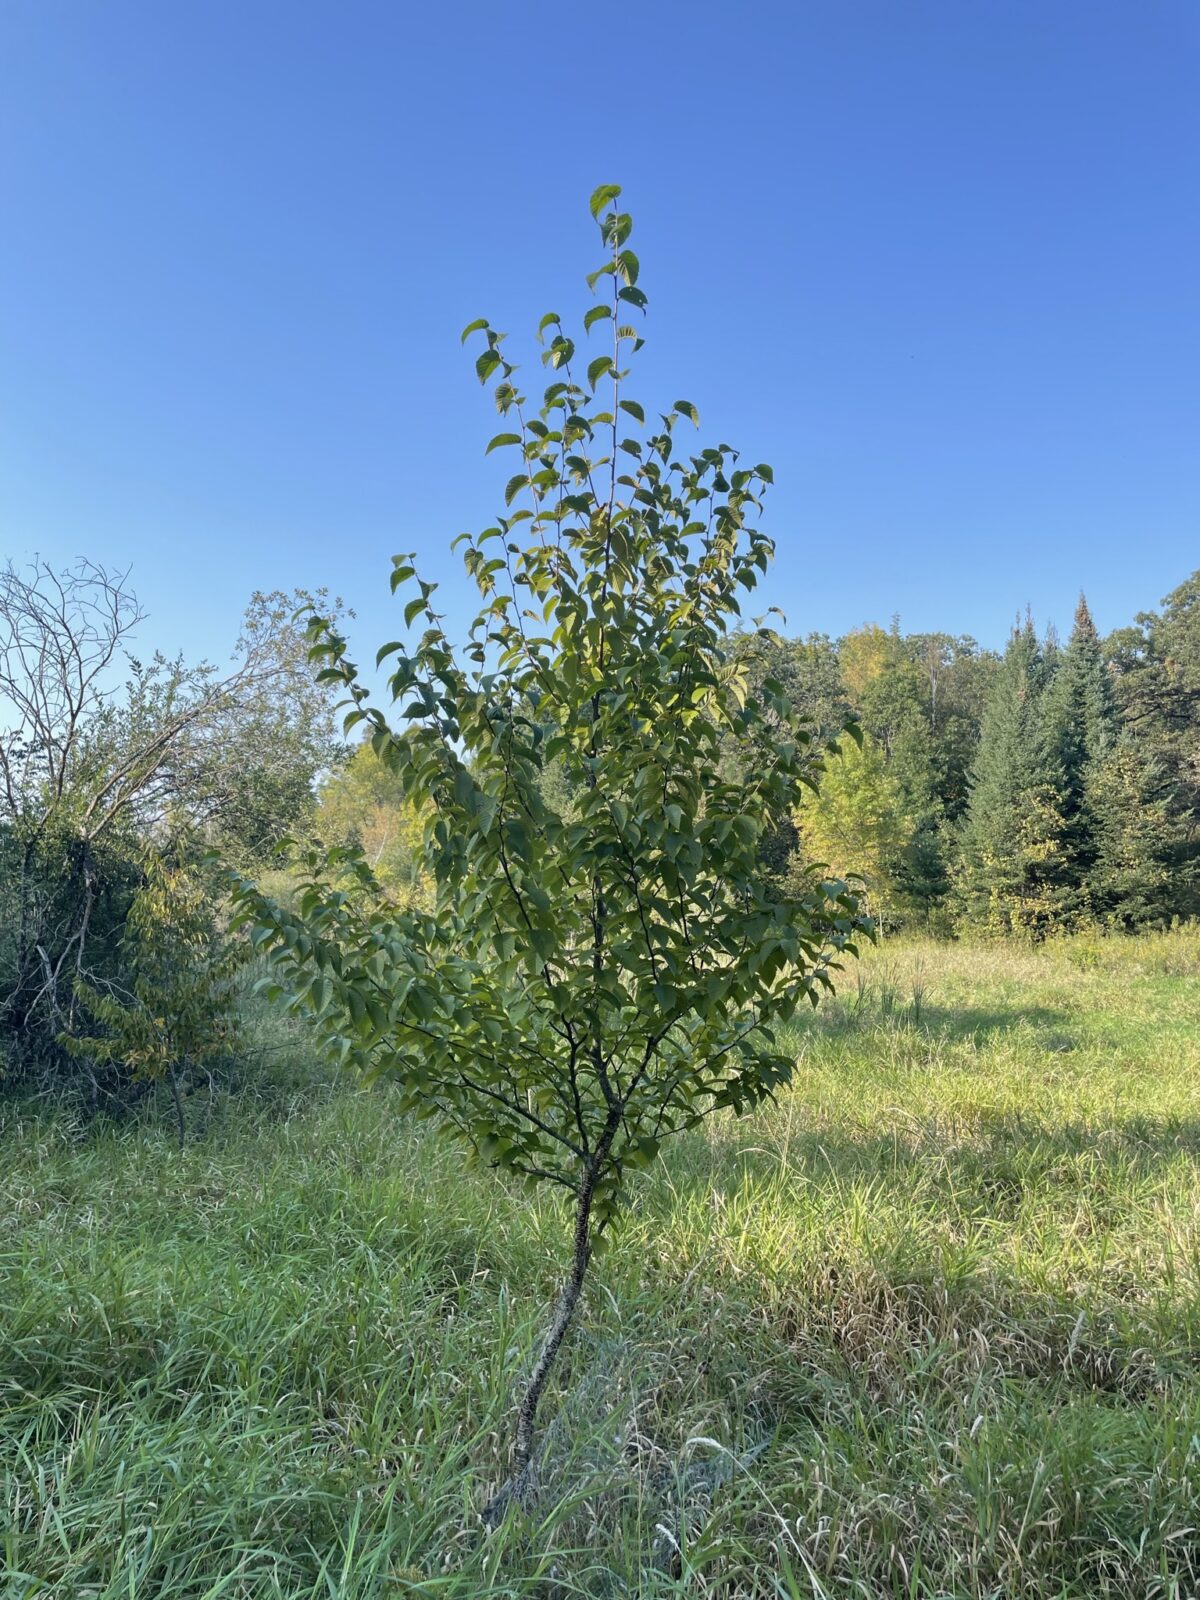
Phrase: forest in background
pixel 1036 791
pixel 1047 788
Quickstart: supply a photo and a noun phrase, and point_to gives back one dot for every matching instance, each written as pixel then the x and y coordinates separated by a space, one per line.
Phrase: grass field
pixel 928 1327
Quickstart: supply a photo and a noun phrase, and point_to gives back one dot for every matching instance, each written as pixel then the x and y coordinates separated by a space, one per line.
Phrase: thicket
pixel 116 776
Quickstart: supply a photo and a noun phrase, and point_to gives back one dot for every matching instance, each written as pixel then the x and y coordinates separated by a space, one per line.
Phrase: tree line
pixel 1037 790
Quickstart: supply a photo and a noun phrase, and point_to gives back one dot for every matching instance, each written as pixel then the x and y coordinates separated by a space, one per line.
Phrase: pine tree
pixel 1011 862
pixel 1080 727
pixel 1156 666
pixel 1136 836
pixel 897 710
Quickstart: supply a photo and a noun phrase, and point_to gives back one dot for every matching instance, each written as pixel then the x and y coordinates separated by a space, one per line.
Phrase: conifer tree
pixel 1080 729
pixel 897 709
pixel 1011 862
pixel 1156 667
pixel 1134 838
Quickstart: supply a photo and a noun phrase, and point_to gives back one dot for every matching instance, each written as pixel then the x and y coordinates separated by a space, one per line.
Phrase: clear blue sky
pixel 938 262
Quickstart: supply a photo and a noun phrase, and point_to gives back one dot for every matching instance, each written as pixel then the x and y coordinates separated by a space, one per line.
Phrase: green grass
pixel 929 1327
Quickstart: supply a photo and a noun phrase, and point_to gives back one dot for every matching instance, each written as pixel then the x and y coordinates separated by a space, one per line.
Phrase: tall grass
pixel 930 1326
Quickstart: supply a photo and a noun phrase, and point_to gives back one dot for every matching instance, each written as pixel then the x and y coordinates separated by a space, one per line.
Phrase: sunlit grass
pixel 928 1327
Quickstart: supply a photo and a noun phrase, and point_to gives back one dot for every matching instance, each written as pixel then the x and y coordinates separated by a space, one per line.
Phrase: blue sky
pixel 936 262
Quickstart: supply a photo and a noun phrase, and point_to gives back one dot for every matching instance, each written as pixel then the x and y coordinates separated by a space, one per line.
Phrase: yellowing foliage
pixel 858 824
pixel 364 804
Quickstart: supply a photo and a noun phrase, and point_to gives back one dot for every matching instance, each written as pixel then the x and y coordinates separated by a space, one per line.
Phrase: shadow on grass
pixel 1016 1153
pixel 981 1024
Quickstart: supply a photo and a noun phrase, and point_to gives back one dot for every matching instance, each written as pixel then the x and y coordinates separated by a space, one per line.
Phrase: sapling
pixel 605 962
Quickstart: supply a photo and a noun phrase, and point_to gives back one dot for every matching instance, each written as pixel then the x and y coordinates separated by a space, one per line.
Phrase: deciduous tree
pixel 596 977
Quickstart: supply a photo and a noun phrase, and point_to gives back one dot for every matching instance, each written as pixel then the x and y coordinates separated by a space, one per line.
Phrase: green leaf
pixel 596 314
pixel 473 327
pixel 628 266
pixel 413 609
pixel 686 409
pixel 603 196
pixel 597 369
pixel 634 409
pixel 502 439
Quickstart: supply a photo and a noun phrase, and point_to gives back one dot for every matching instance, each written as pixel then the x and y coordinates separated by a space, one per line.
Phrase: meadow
pixel 928 1326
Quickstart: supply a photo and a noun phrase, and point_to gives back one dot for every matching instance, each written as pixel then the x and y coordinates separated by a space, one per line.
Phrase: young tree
pixel 860 825
pixel 174 1009
pixel 1080 726
pixel 595 977
pixel 1156 666
pixel 1011 862
pixel 1135 840
pixel 897 710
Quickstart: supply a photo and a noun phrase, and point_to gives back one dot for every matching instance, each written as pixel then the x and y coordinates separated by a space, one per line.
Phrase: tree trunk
pixel 177 1096
pixel 519 1485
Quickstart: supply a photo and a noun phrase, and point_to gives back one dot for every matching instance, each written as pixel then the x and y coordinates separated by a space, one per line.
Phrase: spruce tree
pixel 1010 866
pixel 897 709
pixel 1080 726
pixel 1135 838
pixel 1157 683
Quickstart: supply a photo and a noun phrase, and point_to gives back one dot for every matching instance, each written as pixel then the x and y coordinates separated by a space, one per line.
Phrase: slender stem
pixel 521 1481
pixel 177 1096
pixel 564 1310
